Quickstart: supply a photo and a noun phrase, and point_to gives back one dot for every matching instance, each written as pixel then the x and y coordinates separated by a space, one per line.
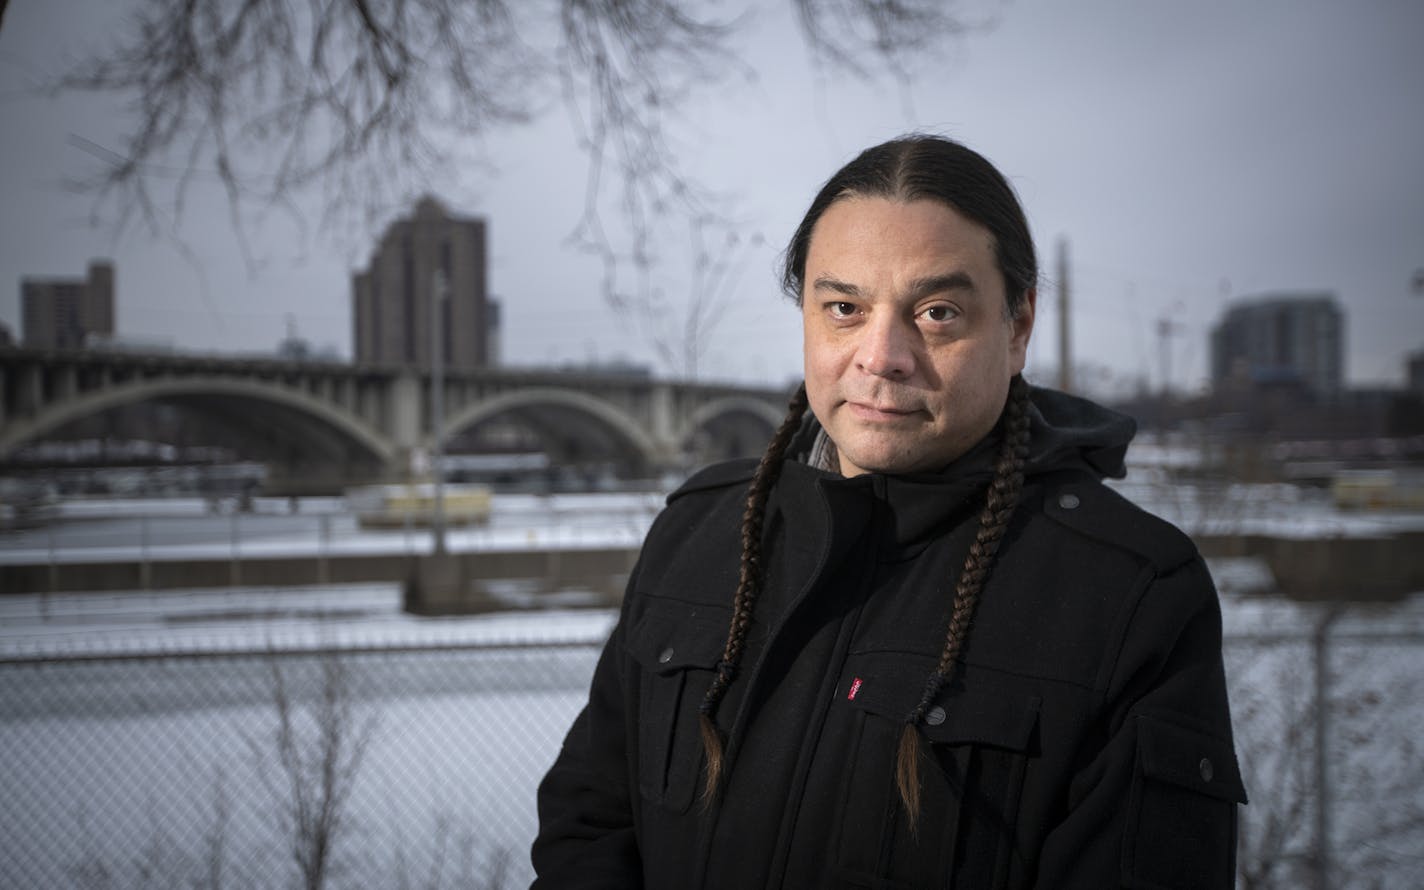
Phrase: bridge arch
pixel 350 429
pixel 764 416
pixel 609 417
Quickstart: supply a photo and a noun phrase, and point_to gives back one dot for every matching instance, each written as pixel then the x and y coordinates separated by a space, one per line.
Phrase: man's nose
pixel 887 348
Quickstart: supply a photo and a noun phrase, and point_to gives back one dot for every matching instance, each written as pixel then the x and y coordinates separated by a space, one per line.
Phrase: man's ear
pixel 1022 325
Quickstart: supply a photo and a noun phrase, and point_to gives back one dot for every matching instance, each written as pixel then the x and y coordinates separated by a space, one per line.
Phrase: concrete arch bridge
pixel 323 425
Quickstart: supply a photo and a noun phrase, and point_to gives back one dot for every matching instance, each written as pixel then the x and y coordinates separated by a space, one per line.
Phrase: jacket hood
pixel 1065 432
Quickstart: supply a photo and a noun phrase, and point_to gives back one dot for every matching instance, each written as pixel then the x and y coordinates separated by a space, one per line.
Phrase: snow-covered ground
pixel 136 725
pixel 296 619
pixel 1275 509
pixel 102 530
pixel 138 728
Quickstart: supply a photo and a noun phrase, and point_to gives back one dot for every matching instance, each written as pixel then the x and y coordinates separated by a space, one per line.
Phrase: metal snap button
pixel 935 716
pixel 665 656
pixel 1068 501
pixel 1206 769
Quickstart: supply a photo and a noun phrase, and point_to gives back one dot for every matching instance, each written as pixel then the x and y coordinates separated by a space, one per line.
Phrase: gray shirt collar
pixel 823 454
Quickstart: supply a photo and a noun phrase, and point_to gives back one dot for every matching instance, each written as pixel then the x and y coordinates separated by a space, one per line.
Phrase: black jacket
pixel 1084 740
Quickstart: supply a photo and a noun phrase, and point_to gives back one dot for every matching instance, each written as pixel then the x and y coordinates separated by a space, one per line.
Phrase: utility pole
pixel 1065 350
pixel 438 296
pixel 1166 330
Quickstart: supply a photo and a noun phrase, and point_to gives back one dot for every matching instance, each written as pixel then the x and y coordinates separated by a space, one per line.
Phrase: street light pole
pixel 438 296
pixel 1323 801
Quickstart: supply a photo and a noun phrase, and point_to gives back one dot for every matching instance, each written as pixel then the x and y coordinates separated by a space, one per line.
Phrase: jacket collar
pixel 1065 432
pixel 907 511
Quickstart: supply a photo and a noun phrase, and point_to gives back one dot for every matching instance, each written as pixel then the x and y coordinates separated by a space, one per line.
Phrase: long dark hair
pixel 907 169
pixel 929 168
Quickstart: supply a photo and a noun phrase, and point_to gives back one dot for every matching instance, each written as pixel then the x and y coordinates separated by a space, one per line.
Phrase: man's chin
pixel 877 461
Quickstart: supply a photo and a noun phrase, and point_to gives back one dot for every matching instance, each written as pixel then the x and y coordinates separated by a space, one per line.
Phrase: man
pixel 919 644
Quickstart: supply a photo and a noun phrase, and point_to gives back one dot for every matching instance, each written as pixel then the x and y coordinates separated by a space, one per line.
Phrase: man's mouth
pixel 872 411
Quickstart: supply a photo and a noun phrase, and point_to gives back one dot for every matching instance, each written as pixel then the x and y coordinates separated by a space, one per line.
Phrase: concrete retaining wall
pixel 1354 568
pixel 601 571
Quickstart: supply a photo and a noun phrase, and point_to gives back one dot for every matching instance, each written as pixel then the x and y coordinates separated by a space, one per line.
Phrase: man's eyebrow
pixel 935 284
pixel 835 285
pixel 919 288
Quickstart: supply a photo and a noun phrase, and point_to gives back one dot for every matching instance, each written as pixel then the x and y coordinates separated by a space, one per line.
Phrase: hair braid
pixel 748 586
pixel 1003 495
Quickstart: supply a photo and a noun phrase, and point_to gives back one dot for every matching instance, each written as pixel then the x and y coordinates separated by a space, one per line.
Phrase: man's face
pixel 908 351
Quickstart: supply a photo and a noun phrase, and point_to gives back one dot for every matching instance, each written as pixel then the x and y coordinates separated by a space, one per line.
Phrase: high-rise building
pixel 391 299
pixel 1284 338
pixel 66 313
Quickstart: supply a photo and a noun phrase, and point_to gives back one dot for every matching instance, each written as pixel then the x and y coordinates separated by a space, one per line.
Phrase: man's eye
pixel 940 312
pixel 841 309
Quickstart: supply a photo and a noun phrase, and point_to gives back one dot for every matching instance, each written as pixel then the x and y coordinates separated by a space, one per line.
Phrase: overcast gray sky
pixel 1192 152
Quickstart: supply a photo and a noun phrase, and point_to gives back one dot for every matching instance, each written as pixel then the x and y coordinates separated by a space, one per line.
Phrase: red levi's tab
pixel 854 688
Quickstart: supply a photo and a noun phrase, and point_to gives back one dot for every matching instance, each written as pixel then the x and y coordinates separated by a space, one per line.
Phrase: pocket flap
pixel 981 712
pixel 1189 758
pixel 671 636
pixel 987 718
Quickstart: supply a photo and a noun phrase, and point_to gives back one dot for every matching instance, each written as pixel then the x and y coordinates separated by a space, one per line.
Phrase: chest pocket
pixel 979 739
pixel 677 647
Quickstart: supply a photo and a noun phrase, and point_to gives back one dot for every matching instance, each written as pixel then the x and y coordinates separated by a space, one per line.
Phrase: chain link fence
pixel 1328 711
pixel 411 768
pixel 416 767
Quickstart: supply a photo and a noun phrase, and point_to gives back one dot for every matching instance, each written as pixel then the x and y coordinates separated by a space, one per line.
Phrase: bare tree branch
pixel 679 334
pixel 319 749
pixel 859 35
pixel 623 65
pixel 275 99
pixel 362 104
